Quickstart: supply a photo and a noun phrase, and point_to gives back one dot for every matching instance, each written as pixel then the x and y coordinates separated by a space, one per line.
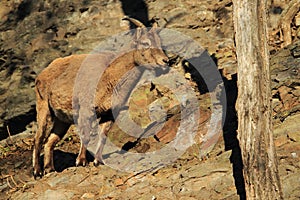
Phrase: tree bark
pixel 254 101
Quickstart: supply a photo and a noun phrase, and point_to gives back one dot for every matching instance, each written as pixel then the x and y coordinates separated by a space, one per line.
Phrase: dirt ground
pixel 189 177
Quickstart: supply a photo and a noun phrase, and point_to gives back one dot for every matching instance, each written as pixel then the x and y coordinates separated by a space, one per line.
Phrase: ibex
pixel 55 85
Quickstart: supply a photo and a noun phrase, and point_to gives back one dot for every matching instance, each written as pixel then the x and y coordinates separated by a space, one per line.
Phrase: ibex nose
pixel 164 65
pixel 163 61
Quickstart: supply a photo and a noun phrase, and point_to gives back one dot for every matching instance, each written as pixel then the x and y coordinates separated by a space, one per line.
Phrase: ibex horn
pixel 135 22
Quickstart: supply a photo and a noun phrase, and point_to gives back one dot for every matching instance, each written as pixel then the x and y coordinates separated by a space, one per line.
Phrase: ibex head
pixel 147 43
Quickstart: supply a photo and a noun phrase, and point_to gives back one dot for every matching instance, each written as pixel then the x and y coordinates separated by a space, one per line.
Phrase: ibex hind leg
pixel 45 124
pixel 59 130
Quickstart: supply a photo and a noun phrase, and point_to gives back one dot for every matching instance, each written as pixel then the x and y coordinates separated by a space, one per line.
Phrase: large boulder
pixel 285 75
pixel 32 34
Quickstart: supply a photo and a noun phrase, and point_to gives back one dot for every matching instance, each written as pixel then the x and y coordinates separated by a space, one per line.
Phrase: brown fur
pixel 55 86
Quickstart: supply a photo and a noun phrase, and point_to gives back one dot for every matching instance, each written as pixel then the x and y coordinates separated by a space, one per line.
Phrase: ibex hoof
pixel 37 173
pixel 81 162
pixel 98 162
pixel 47 170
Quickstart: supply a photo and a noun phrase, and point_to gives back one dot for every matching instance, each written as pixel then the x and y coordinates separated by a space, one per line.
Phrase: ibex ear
pixel 154 28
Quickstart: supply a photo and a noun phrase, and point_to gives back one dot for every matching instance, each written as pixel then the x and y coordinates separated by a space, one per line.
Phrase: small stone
pixel 294 155
pixel 88 196
pixel 297 19
pixel 228 54
pixel 18 164
pixel 3 187
pixel 283 91
pixel 119 182
pixel 204 14
pixel 188 76
pixel 294 136
pixel 281 140
pixel 296 52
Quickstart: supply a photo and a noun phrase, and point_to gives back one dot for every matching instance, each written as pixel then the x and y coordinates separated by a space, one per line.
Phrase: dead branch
pixel 13 180
pixel 9 134
pixel 8 183
pixel 284 25
pixel 83 179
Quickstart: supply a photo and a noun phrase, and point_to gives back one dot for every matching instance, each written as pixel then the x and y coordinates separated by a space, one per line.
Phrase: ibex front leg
pixel 105 127
pixel 81 159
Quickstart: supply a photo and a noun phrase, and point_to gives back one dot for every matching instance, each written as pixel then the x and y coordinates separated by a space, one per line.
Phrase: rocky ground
pixel 33 33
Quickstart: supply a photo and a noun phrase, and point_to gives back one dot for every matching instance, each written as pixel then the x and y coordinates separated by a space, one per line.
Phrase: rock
pixel 280 140
pixel 296 52
pixel 289 187
pixel 294 136
pixel 294 155
pixel 119 182
pixel 188 76
pixel 205 14
pixel 18 164
pixel 288 128
pixel 32 35
pixel 88 196
pixel 285 76
pixel 3 186
pixel 56 180
pixel 297 19
pixel 58 194
pixel 25 195
pixel 25 36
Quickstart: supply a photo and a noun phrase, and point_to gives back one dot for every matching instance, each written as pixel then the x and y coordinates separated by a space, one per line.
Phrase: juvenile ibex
pixel 55 86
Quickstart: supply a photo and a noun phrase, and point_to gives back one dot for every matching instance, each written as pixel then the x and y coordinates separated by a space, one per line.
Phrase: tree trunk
pixel 254 101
